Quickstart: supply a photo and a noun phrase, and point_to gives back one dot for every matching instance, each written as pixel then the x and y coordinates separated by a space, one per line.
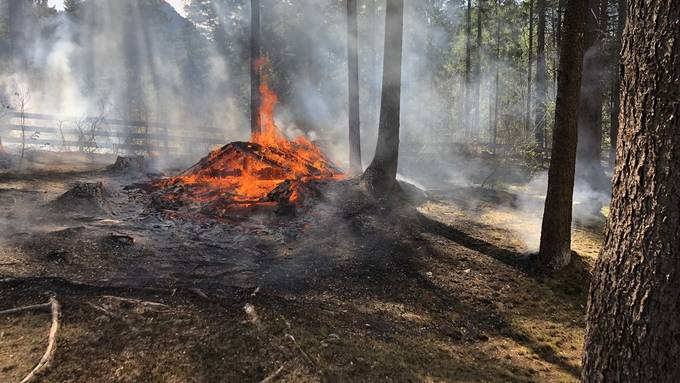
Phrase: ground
pixel 436 289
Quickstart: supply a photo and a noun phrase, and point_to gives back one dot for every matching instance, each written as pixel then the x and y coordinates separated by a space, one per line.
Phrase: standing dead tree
pixel 20 98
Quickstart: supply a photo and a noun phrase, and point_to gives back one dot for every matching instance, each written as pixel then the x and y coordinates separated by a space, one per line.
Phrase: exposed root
pixel 53 307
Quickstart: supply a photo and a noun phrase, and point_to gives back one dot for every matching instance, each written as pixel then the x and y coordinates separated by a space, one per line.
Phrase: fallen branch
pixel 292 338
pixel 273 376
pixel 53 307
pixel 135 301
pixel 198 292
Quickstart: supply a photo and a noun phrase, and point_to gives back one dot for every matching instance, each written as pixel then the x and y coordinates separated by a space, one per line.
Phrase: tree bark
pixel 555 246
pixel 255 52
pixel 589 156
pixel 541 87
pixel 633 331
pixel 616 83
pixel 353 88
pixel 381 175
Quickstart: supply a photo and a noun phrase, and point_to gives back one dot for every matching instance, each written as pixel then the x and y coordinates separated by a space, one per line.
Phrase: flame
pixel 247 173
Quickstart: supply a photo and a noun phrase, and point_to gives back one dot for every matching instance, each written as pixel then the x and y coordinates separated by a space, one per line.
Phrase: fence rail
pixel 95 133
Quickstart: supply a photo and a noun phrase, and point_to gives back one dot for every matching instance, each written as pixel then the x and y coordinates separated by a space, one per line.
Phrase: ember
pixel 250 173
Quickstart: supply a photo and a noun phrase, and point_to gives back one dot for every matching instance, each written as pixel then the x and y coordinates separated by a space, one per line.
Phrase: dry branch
pixel 307 358
pixel 273 376
pixel 53 307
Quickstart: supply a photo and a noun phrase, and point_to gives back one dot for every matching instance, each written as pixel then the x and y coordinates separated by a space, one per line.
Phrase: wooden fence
pixel 103 134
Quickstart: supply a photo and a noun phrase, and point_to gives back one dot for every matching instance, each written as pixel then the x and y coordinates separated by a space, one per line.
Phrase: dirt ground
pixel 437 290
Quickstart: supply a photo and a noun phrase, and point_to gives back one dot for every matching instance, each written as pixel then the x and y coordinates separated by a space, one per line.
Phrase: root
pixel 53 307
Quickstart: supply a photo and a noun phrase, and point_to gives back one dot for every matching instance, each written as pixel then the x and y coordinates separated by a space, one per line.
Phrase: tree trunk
pixel 555 247
pixel 468 65
pixel 527 116
pixel 494 136
pixel 353 89
pixel 616 83
pixel 255 98
pixel 380 177
pixel 478 72
pixel 541 87
pixel 589 156
pixel 633 332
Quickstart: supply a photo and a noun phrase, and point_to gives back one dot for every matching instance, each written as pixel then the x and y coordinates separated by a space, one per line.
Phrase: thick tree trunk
pixel 589 156
pixel 255 64
pixel 380 177
pixel 541 87
pixel 616 83
pixel 633 332
pixel 555 247
pixel 527 116
pixel 353 90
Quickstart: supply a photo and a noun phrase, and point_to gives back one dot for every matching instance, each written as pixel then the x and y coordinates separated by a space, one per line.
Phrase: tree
pixel 541 87
pixel 353 87
pixel 255 64
pixel 633 332
pixel 527 117
pixel 467 100
pixel 497 89
pixel 616 82
pixel 72 6
pixel 477 71
pixel 381 175
pixel 555 246
pixel 589 155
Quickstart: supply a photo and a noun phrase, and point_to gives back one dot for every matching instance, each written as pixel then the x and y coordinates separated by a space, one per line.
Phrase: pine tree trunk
pixel 380 177
pixel 589 156
pixel 616 83
pixel 353 89
pixel 541 87
pixel 555 247
pixel 633 332
pixel 255 53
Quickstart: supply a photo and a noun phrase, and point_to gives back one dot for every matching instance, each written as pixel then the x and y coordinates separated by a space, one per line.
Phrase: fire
pixel 246 173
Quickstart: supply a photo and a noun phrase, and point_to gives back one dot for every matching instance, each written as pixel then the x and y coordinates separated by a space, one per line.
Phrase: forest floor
pixel 442 291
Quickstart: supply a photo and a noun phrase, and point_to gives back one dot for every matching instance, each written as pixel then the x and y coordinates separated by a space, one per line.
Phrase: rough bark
pixel 541 87
pixel 381 175
pixel 633 331
pixel 616 82
pixel 353 88
pixel 589 156
pixel 255 52
pixel 555 246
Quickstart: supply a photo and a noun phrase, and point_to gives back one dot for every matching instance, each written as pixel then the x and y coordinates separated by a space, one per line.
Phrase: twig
pixel 292 338
pixel 198 292
pixel 53 307
pixel 105 311
pixel 136 301
pixel 273 376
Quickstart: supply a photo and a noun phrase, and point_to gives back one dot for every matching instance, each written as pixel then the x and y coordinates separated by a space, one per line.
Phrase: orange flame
pixel 247 173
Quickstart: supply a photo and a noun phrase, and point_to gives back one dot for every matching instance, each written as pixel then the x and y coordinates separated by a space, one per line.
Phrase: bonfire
pixel 269 170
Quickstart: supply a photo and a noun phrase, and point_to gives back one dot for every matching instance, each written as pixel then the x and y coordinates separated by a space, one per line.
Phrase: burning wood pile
pixel 270 171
